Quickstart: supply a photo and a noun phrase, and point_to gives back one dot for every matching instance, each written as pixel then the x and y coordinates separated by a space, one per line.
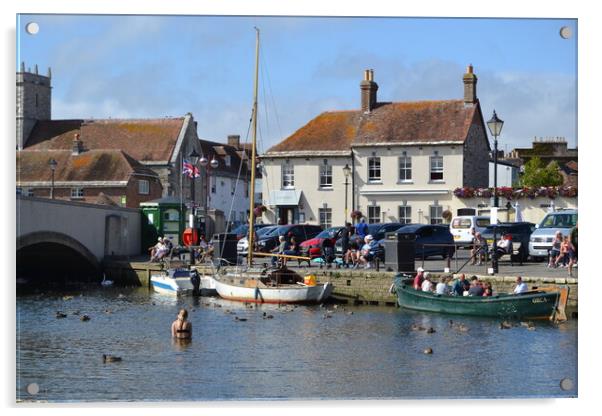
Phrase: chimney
pixel 368 90
pixel 470 86
pixel 234 140
pixel 78 146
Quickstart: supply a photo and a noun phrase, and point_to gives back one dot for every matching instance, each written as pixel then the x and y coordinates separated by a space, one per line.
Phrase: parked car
pixel 313 247
pixel 242 230
pixel 242 247
pixel 519 232
pixel 426 234
pixel 461 227
pixel 301 232
pixel 541 240
pixel 377 231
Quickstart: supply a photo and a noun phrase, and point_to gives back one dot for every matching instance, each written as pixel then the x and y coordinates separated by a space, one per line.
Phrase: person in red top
pixel 419 278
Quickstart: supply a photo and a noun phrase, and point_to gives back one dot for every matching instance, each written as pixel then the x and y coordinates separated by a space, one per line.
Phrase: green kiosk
pixel 162 217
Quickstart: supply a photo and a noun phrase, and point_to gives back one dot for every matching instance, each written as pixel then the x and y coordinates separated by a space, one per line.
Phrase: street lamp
pixel 495 127
pixel 194 158
pixel 347 173
pixel 52 163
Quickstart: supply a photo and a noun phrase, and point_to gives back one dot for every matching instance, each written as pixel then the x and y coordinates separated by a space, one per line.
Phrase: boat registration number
pixel 539 300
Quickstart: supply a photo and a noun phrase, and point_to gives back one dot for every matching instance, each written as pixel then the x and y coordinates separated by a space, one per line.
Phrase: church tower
pixel 33 101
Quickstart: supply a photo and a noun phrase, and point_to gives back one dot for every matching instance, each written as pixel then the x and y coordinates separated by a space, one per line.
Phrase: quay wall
pixel 352 286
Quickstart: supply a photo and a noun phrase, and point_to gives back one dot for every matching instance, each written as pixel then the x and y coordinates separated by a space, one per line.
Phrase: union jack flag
pixel 189 170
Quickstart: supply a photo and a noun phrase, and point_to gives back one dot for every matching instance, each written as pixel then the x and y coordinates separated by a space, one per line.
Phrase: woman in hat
pixel 368 251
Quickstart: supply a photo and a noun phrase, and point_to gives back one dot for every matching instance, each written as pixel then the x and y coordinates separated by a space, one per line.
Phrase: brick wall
pixel 475 168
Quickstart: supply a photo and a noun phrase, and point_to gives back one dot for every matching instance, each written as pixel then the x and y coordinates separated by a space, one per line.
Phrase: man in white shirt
pixel 520 287
pixel 427 285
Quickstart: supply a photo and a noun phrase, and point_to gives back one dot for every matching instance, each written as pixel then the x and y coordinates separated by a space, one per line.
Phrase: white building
pixel 405 158
pixel 507 173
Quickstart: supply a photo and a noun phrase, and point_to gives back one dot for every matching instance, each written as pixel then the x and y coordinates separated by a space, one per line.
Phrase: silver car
pixel 541 240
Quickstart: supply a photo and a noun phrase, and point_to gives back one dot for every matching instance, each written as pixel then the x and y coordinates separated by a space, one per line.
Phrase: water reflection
pixel 299 353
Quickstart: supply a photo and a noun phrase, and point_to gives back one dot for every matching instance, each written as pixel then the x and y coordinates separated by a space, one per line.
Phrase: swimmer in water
pixel 181 328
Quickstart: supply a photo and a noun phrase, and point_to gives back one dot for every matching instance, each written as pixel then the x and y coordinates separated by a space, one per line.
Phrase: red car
pixel 313 247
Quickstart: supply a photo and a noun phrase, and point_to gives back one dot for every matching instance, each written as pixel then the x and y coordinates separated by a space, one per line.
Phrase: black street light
pixel 52 163
pixel 347 173
pixel 194 158
pixel 495 127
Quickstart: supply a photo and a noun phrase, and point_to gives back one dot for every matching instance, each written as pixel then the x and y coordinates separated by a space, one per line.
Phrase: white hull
pixel 169 285
pixel 233 290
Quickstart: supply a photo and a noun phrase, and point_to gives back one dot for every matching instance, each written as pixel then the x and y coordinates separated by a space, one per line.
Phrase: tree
pixel 536 174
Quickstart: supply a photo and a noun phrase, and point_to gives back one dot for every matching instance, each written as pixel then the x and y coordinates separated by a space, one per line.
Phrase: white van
pixel 462 225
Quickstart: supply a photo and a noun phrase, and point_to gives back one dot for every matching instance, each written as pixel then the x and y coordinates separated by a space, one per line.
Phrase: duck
pixel 84 318
pixel 60 314
pixel 110 358
pixel 461 327
pixel 106 282
pixel 428 351
pixel 430 331
pixel 505 325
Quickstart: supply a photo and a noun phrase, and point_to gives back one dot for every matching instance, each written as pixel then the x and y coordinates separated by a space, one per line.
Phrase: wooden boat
pixel 280 286
pixel 536 304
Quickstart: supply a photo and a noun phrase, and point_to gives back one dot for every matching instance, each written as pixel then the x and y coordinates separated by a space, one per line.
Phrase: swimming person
pixel 181 328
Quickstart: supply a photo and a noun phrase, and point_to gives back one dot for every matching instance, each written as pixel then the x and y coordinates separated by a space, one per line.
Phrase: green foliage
pixel 536 174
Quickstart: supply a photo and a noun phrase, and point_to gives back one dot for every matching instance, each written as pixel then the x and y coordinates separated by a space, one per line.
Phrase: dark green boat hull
pixel 531 305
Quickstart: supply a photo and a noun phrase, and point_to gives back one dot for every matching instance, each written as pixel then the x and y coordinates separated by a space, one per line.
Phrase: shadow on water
pixel 248 351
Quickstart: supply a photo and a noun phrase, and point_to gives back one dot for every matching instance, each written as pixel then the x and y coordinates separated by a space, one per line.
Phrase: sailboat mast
pixel 253 156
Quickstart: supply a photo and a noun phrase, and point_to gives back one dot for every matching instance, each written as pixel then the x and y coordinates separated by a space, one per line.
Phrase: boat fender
pixel 392 289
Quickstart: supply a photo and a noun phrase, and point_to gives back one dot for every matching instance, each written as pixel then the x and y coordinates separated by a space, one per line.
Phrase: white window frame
pixel 325 217
pixel 405 165
pixel 436 214
pixel 405 214
pixel 77 192
pixel 436 168
pixel 325 175
pixel 288 176
pixel 143 187
pixel 374 166
pixel 374 214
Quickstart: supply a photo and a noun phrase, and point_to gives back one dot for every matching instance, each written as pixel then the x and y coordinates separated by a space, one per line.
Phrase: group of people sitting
pixel 160 250
pixel 480 249
pixel 563 253
pixel 461 286
pixel 360 255
pixel 164 247
pixel 287 246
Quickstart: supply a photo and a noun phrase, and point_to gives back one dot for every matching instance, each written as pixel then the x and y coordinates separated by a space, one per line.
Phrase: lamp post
pixel 347 173
pixel 52 163
pixel 495 127
pixel 194 158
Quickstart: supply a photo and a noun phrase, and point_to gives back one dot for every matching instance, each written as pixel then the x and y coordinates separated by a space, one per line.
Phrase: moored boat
pixel 536 304
pixel 173 282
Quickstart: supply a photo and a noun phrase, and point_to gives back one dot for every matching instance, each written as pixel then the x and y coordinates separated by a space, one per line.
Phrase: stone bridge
pixel 67 241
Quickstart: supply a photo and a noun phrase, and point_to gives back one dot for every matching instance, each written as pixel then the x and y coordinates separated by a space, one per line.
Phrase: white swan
pixel 106 282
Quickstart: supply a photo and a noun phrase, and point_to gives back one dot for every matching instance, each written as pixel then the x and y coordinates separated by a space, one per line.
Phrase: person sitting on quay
pixel 419 278
pixel 159 251
pixel 442 287
pixel 367 253
pixel 479 249
pixel 504 246
pixel 476 289
pixel 181 328
pixel 460 286
pixel 427 285
pixel 521 287
pixel 352 256
pixel 293 250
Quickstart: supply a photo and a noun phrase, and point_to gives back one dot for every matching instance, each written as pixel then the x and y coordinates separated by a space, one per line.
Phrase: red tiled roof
pixel 144 140
pixel 92 165
pixel 388 123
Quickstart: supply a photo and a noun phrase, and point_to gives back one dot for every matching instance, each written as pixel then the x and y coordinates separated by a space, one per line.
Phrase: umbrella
pixel 518 217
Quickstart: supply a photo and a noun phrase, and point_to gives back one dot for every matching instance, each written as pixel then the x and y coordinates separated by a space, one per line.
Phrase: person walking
pixel 345 243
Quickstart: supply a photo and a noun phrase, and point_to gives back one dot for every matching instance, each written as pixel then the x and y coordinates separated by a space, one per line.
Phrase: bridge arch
pixel 52 257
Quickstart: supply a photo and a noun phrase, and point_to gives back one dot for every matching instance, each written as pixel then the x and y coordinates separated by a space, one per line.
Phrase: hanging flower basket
pixel 447 215
pixel 517 193
pixel 356 215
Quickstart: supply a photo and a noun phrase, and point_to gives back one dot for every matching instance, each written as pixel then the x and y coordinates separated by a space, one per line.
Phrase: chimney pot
pixel 78 146
pixel 368 89
pixel 470 86
pixel 234 140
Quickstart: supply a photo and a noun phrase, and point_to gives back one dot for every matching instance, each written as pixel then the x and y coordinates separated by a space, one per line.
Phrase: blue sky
pixel 156 66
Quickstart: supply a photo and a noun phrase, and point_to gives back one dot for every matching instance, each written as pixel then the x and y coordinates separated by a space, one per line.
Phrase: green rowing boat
pixel 537 304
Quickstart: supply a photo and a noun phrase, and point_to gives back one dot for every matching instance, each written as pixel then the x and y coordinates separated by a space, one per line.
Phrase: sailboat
pixel 281 285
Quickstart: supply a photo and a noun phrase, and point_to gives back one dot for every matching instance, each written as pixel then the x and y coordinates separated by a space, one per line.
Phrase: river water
pixel 304 352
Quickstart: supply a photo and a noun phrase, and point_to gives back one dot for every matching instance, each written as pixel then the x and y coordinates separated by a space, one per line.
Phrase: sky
pixel 113 66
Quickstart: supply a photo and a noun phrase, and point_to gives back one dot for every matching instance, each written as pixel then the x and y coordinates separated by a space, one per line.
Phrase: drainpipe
pixel 352 181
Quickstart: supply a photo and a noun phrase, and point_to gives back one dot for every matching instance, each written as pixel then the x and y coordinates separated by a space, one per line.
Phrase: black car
pixel 431 240
pixel 518 232
pixel 243 229
pixel 301 232
pixel 376 230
